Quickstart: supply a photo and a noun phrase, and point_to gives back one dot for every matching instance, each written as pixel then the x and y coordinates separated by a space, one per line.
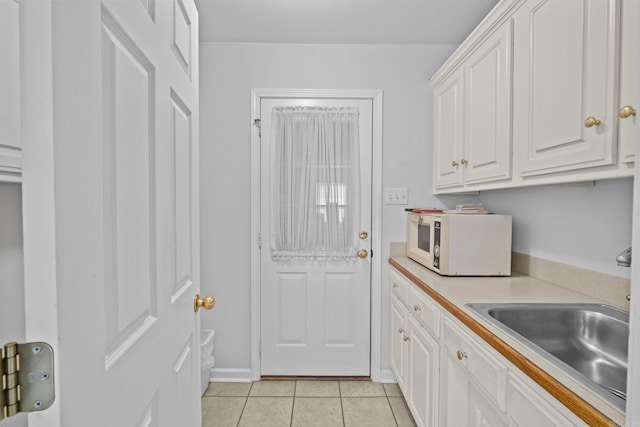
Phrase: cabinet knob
pixel 463 162
pixel 627 111
pixel 454 164
pixel 461 354
pixel 394 286
pixel 401 331
pixel 592 121
pixel 362 253
pixel 406 338
pixel 417 308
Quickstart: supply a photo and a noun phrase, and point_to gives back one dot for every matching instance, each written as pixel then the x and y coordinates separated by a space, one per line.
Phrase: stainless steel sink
pixel 589 342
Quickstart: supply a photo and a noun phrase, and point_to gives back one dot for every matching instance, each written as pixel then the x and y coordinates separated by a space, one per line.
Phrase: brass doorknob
pixel 591 121
pixel 627 111
pixel 362 253
pixel 207 303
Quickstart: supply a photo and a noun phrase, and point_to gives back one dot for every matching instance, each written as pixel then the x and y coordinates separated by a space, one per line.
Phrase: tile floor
pixel 305 403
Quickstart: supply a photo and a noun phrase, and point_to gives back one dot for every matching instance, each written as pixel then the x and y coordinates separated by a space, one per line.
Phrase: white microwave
pixel 461 244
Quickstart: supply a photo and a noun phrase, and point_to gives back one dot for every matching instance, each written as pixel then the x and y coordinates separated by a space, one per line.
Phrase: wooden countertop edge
pixel 575 403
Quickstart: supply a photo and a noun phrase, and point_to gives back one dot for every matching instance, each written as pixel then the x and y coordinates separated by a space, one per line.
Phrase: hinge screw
pixel 37 404
pixel 36 349
pixel 44 376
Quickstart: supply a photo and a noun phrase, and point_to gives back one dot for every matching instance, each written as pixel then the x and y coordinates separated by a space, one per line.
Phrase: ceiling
pixel 340 21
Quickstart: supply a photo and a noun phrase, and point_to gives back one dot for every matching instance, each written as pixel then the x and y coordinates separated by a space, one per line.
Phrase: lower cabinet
pixel 421 381
pixel 459 380
pixel 414 359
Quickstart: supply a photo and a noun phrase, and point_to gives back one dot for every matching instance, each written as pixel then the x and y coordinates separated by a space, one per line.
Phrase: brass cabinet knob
pixel 627 111
pixel 406 338
pixel 207 303
pixel 401 331
pixel 592 121
pixel 461 354
pixel 463 162
pixel 394 286
pixel 416 307
pixel 363 234
pixel 454 164
pixel 362 253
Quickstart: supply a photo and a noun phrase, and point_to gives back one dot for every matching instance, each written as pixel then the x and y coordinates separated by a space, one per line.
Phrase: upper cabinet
pixel 10 139
pixel 564 91
pixel 472 115
pixel 538 97
pixel 627 103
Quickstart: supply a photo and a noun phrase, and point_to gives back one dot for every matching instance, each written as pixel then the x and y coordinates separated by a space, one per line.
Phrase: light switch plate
pixel 396 196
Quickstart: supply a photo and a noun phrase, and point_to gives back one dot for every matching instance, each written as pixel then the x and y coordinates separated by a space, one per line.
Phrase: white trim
pixel 386 376
pixel 376 213
pixel 230 375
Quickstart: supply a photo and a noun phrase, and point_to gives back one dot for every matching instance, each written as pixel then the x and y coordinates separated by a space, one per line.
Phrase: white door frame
pixel 375 95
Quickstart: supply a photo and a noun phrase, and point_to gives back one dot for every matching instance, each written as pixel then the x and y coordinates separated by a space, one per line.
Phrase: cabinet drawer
pixel 490 374
pixel 424 311
pixel 399 287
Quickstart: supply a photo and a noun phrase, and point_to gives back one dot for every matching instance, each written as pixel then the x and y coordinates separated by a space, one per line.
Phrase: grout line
pixel 246 400
pixel 293 403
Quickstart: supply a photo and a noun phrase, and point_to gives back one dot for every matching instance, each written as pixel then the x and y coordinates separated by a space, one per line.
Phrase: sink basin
pixel 587 341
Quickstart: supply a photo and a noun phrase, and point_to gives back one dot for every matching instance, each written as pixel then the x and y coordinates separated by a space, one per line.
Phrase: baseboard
pixel 230 375
pixel 386 376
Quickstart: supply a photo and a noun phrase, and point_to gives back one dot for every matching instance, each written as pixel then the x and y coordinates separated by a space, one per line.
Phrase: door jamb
pixel 376 213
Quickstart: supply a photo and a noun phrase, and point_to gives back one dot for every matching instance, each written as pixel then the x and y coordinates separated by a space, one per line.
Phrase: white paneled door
pixel 110 184
pixel 315 315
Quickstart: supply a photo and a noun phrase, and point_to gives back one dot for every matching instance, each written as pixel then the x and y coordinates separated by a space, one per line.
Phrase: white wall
pixel 12 325
pixel 228 72
pixel 586 225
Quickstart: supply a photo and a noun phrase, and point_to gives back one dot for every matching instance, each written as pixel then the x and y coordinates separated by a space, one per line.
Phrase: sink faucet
pixel 624 259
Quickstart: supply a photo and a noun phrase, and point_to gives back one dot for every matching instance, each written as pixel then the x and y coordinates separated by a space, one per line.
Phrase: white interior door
pixel 110 190
pixel 315 315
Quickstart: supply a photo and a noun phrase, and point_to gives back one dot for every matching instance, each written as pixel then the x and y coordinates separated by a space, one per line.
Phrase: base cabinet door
pixel 422 375
pixel 398 344
pixel 454 386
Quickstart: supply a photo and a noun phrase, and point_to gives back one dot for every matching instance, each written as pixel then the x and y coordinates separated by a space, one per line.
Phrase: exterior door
pixel 110 208
pixel 315 315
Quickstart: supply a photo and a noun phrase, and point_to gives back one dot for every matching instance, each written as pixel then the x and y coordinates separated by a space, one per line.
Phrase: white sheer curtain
pixel 315 183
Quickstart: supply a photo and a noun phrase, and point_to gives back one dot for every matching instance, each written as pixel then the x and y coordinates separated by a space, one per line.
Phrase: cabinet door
pixel 527 409
pixel 397 334
pixel 482 413
pixel 564 64
pixel 454 387
pixel 629 16
pixel 10 140
pixel 422 375
pixel 447 131
pixel 487 132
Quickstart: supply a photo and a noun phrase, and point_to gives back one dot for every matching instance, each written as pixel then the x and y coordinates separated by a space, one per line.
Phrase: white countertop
pixel 514 289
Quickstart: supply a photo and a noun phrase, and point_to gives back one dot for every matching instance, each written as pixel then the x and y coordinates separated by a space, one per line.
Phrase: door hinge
pixel 260 241
pixel 26 378
pixel 260 349
pixel 258 123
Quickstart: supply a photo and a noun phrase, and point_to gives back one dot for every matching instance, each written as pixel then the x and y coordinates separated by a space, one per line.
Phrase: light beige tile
pixel 317 389
pixel 273 388
pixel 367 412
pixel 267 412
pixel 401 412
pixel 392 390
pixel 221 411
pixel 317 412
pixel 228 389
pixel 361 389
